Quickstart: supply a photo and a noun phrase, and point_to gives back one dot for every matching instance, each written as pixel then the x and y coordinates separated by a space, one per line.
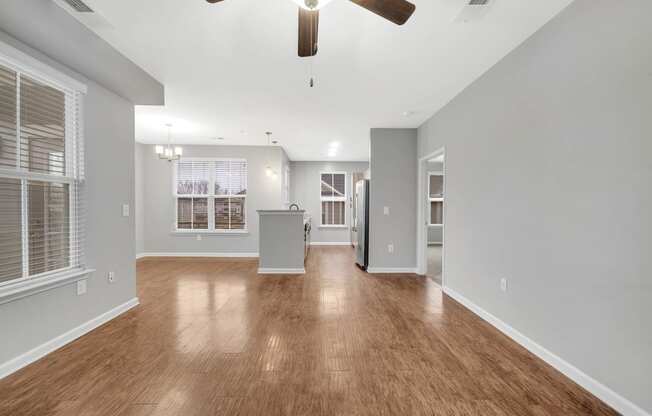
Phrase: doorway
pixel 430 238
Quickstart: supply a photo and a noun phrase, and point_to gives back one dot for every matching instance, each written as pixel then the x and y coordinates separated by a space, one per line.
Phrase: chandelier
pixel 168 152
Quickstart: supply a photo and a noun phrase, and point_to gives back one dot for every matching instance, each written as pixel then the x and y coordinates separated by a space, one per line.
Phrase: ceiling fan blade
pixel 213 1
pixel 308 32
pixel 397 11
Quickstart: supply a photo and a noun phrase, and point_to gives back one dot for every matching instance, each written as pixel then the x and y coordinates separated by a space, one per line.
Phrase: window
pixel 211 195
pixel 436 194
pixel 286 185
pixel 41 177
pixel 333 199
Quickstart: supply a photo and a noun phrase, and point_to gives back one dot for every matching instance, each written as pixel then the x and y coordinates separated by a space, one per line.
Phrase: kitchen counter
pixel 282 245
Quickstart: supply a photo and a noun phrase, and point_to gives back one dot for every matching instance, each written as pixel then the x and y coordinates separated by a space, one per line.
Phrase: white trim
pixel 18 60
pixel 178 254
pixel 602 392
pixel 392 270
pixel 330 243
pixel 44 349
pixel 267 270
pixel 21 288
pixel 140 255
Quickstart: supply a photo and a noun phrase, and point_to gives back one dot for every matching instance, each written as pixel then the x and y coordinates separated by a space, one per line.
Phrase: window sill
pixel 209 233
pixel 10 292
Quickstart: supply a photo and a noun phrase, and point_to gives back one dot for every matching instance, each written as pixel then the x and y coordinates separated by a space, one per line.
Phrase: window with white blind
pixel 211 195
pixel 41 177
pixel 333 199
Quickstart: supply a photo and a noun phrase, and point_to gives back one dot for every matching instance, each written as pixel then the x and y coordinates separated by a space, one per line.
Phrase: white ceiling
pixel 231 69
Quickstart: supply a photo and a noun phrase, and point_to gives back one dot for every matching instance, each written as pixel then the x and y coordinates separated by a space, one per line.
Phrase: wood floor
pixel 213 338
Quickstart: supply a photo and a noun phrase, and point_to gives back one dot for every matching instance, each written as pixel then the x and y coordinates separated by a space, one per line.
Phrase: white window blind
pixel 41 177
pixel 333 199
pixel 211 194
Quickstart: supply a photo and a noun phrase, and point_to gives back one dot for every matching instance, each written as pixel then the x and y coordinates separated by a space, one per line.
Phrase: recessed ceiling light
pixel 408 113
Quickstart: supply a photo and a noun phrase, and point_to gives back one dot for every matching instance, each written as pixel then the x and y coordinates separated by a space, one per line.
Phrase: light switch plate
pixel 125 210
pixel 386 210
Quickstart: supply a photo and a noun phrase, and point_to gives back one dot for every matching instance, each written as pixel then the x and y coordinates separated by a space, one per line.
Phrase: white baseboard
pixel 44 349
pixel 392 270
pixel 267 270
pixel 183 254
pixel 330 243
pixel 599 390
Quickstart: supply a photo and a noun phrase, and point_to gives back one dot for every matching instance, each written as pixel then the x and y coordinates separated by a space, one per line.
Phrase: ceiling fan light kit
pixel 396 11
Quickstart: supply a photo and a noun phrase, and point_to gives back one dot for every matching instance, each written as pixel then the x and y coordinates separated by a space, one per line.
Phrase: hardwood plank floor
pixel 213 338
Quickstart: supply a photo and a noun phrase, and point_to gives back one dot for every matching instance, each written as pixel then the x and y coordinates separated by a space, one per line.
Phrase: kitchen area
pixel 323 210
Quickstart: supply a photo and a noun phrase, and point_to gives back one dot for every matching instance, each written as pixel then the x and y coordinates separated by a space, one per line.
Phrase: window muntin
pixel 41 230
pixel 211 195
pixel 333 199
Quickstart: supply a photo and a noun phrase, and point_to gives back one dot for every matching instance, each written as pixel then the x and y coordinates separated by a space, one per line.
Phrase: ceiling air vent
pixel 474 10
pixel 79 6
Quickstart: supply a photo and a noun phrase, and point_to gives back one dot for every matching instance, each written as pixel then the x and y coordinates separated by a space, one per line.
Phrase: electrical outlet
pixel 198 237
pixel 503 284
pixel 125 210
pixel 390 248
pixel 386 210
pixel 81 287
pixel 111 277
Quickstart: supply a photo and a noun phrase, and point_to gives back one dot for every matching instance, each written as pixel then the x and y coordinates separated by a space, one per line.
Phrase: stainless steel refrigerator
pixel 361 223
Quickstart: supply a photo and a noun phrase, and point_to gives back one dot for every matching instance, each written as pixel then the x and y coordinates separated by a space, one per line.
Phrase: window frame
pixel 24 65
pixel 210 196
pixel 431 200
pixel 323 199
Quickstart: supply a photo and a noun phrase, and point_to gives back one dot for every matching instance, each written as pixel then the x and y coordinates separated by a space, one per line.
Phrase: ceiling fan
pixel 396 11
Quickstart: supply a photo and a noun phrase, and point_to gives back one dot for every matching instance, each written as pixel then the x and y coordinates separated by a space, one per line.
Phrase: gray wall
pixel 109 148
pixel 139 209
pixel 305 191
pixel 549 185
pixel 393 184
pixel 263 193
pixel 60 36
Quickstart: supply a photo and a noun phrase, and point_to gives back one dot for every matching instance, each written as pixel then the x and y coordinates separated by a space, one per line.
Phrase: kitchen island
pixel 284 241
